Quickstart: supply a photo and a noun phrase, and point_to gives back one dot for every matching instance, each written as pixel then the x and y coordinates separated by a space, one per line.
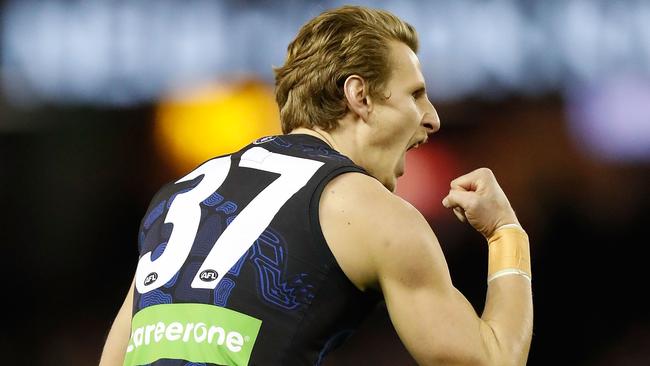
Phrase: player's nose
pixel 430 120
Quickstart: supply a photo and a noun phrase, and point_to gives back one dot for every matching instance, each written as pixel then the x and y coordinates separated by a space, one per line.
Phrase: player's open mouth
pixel 417 144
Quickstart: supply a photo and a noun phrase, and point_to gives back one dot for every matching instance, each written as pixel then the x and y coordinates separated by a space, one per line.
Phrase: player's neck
pixel 335 140
pixel 320 134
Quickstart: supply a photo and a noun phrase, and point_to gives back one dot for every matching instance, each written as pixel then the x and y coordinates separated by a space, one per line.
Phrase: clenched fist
pixel 477 198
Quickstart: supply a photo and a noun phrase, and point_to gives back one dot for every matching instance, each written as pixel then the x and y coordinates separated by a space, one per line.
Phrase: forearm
pixel 117 340
pixel 118 337
pixel 507 320
pixel 508 314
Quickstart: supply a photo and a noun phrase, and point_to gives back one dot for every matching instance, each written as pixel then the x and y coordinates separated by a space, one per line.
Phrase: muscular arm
pixel 437 323
pixel 404 260
pixel 118 337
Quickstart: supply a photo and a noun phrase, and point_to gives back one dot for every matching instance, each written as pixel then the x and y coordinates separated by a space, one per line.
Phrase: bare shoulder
pixel 361 188
pixel 373 233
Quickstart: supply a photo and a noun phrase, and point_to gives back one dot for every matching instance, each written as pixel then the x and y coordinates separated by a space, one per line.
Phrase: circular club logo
pixel 208 275
pixel 151 278
pixel 263 140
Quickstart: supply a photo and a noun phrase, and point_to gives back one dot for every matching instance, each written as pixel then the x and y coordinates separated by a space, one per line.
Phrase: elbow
pixel 465 361
pixel 503 351
pixel 492 352
pixel 458 357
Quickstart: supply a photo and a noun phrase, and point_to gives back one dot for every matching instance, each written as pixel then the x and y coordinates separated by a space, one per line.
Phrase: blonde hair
pixel 329 48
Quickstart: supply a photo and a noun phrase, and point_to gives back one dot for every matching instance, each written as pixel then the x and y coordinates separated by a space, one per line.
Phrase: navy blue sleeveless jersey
pixel 234 268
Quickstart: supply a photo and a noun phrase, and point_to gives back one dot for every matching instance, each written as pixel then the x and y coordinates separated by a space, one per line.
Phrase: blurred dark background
pixel 101 102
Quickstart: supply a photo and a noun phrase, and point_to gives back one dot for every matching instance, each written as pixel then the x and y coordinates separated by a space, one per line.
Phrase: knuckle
pixel 486 171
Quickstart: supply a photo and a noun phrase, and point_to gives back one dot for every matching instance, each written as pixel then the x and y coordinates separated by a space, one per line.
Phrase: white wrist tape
pixel 507 272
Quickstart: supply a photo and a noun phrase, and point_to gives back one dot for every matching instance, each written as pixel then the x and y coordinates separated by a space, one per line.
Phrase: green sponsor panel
pixel 192 332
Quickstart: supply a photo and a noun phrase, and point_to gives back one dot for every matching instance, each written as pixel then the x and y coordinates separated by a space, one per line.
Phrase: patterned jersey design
pixel 286 276
pixel 267 257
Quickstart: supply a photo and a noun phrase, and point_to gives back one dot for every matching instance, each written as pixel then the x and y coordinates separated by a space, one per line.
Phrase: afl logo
pixel 208 275
pixel 151 278
pixel 263 140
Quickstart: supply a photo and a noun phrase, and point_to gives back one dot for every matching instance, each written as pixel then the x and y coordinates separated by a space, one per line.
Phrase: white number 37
pixel 185 214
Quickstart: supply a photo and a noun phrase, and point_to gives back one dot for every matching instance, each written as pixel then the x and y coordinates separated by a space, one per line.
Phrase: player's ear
pixel 356 95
